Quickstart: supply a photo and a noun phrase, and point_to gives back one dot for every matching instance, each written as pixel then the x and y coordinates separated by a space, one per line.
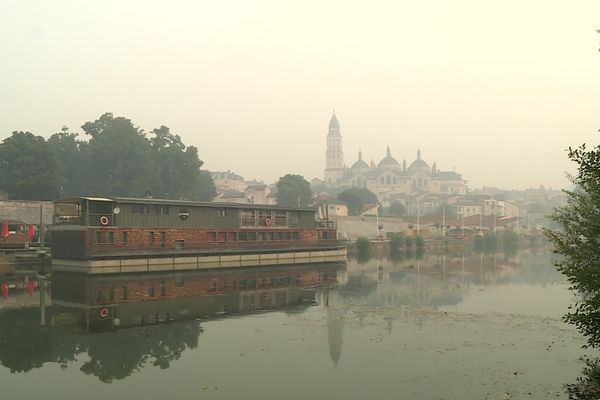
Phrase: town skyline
pixel 255 90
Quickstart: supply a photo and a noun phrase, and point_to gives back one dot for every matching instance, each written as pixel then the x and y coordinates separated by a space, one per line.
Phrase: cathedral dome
pixel 359 164
pixel 388 160
pixel 419 164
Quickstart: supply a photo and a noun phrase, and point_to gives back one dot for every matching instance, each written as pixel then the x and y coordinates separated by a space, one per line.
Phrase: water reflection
pixel 143 301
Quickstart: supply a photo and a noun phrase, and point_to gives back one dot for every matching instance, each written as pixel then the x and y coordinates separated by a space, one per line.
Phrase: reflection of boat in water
pixel 122 235
pixel 99 302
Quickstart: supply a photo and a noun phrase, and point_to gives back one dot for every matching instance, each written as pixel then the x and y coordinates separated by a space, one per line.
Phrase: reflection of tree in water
pixel 24 346
pixel 357 285
pixel 116 355
pixel 335 332
pixel 587 386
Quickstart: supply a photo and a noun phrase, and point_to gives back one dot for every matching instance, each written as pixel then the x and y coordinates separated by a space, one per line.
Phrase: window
pixel 111 237
pixel 295 236
pixel 151 291
pixel 163 289
pixel 99 296
pixel 162 210
pixel 242 236
pixel 243 284
pixel 125 293
pixel 151 237
pixel 137 208
pixel 212 285
pixel 231 236
pixel 280 218
pixel 286 235
pixel 262 236
pixel 179 281
pixel 212 236
pixel 252 236
pixel 111 294
pixel 264 218
pixel 248 218
pixel 179 244
pixel 221 212
pixel 98 237
pixel 125 237
pixel 163 238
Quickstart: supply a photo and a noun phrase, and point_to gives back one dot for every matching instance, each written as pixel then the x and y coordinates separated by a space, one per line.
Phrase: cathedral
pixel 388 178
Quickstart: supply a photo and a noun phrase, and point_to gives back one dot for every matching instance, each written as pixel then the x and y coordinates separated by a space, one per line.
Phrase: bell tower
pixel 334 156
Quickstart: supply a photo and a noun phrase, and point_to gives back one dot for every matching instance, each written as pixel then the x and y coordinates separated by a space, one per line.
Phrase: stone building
pixel 388 178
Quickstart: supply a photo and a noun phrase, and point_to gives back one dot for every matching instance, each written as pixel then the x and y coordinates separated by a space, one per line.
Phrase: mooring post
pixel 42 289
pixel 42 233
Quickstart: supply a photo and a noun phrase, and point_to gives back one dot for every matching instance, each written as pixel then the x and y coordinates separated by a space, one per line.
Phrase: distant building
pixel 388 178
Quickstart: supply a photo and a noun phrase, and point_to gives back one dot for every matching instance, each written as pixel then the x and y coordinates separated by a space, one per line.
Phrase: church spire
pixel 359 154
pixel 388 151
pixel 418 154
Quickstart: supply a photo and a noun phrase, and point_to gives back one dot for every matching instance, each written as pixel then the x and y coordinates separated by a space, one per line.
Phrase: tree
pixel 72 155
pixel 578 240
pixel 120 161
pixel 397 209
pixel 293 191
pixel 178 169
pixel 29 168
pixel 356 198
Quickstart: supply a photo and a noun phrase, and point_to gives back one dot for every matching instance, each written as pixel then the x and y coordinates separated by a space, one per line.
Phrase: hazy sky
pixel 497 89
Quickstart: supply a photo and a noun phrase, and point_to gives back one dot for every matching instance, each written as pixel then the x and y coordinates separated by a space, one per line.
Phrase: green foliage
pixel 29 168
pixel 293 191
pixel 364 249
pixel 510 242
pixel 409 241
pixel 396 242
pixel 587 386
pixel 486 243
pixel 420 242
pixel 578 242
pixel 118 160
pixel 356 198
pixel 396 209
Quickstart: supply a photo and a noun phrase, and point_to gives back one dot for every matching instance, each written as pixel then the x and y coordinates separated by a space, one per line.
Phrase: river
pixel 442 327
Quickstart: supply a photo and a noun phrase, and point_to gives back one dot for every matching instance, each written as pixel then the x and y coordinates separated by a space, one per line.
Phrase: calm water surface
pixel 443 327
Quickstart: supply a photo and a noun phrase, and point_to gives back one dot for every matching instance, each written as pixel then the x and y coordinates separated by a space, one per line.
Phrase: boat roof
pixel 144 200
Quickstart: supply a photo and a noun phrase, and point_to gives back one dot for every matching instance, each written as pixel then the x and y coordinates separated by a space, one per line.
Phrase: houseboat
pixel 16 234
pixel 102 302
pixel 120 235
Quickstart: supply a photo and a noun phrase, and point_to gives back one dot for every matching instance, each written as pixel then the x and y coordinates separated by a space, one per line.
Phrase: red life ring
pixel 104 312
pixel 104 220
pixel 268 221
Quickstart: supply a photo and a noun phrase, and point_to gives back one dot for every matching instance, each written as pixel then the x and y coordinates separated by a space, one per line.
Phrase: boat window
pixel 98 237
pixel 151 291
pixel 251 235
pixel 125 293
pixel 111 294
pixel 212 236
pixel 295 235
pixel 264 218
pixel 163 289
pixel 243 284
pixel 111 237
pixel 179 244
pixel 262 235
pixel 231 236
pixel 280 218
pixel 151 235
pixel 179 281
pixel 242 236
pixel 137 208
pixel 125 237
pixel 221 212
pixel 248 217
